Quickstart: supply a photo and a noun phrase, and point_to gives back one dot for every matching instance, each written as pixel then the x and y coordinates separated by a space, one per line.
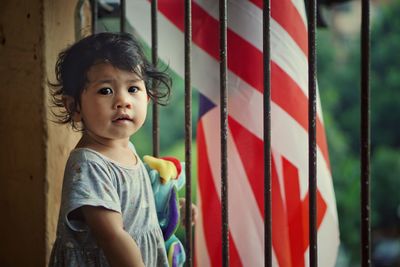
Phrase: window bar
pixel 94 7
pixel 188 130
pixel 154 48
pixel 122 16
pixel 224 124
pixel 267 134
pixel 312 152
pixel 365 136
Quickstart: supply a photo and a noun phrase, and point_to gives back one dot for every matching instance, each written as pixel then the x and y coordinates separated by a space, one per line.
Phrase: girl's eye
pixel 133 89
pixel 105 91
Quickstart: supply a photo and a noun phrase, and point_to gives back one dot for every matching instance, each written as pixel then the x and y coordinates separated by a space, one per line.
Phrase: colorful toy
pixel 166 179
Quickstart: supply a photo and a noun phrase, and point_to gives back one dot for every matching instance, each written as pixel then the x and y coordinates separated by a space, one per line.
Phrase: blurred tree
pixel 339 83
pixel 385 80
pixel 385 114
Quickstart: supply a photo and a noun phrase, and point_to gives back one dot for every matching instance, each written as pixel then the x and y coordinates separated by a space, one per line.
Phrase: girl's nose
pixel 122 101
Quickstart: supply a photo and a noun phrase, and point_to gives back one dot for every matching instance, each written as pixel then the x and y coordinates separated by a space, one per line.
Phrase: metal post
pixel 94 7
pixel 122 23
pixel 188 129
pixel 267 133
pixel 312 151
pixel 154 48
pixel 365 136
pixel 224 127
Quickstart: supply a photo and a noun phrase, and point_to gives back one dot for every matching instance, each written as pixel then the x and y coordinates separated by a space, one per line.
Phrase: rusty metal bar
pixel 312 151
pixel 154 53
pixel 224 129
pixel 94 7
pixel 188 129
pixel 267 133
pixel 365 136
pixel 122 22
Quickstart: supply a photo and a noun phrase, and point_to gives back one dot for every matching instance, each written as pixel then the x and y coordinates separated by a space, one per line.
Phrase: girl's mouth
pixel 122 118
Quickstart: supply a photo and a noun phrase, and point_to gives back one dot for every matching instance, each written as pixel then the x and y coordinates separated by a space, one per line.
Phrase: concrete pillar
pixel 33 149
pixel 62 28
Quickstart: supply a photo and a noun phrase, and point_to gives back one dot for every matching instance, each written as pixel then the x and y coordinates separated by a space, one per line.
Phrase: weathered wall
pixel 59 32
pixel 33 149
pixel 22 134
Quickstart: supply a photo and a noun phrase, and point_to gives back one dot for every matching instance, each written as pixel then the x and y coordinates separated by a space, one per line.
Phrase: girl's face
pixel 113 104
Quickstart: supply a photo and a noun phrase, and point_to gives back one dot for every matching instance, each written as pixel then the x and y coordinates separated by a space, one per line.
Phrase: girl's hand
pixel 182 206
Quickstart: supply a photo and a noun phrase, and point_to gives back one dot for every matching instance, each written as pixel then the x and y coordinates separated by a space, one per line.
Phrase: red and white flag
pixel 289 123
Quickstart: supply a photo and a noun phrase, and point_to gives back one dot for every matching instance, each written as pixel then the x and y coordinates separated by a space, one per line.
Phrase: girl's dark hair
pixel 122 51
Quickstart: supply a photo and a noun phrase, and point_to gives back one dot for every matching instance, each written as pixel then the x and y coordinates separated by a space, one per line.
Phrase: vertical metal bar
pixel 312 152
pixel 224 127
pixel 94 7
pixel 267 133
pixel 122 22
pixel 365 136
pixel 154 53
pixel 188 129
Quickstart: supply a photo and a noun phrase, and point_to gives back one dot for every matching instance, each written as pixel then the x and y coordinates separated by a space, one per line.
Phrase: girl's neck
pixel 117 150
pixel 90 140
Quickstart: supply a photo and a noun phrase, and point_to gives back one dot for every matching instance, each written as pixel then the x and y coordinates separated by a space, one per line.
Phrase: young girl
pixel 107 214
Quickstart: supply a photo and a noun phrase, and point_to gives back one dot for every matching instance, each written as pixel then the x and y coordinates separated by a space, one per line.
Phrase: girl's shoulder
pixel 83 161
pixel 91 156
pixel 86 155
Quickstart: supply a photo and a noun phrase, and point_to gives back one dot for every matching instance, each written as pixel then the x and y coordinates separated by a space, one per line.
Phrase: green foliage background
pixel 339 85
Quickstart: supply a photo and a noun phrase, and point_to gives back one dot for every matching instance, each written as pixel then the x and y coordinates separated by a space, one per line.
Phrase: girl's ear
pixel 69 104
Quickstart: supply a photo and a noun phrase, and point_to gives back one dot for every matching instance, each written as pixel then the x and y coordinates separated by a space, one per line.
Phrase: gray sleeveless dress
pixel 92 179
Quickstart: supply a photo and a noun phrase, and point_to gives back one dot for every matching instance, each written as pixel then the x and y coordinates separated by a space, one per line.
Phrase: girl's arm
pixel 195 212
pixel 107 227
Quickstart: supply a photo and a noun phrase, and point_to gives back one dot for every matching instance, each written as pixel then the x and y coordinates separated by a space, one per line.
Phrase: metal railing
pixel 365 125
pixel 312 131
pixel 365 136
